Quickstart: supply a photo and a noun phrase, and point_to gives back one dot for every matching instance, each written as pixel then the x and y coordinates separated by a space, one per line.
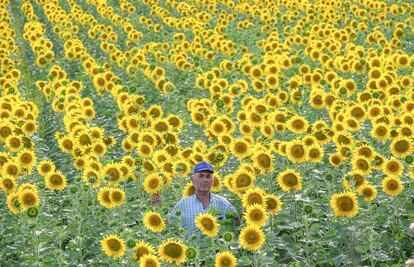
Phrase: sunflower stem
pixel 352 243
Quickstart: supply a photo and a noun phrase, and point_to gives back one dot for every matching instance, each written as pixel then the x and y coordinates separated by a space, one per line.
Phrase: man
pixel 202 201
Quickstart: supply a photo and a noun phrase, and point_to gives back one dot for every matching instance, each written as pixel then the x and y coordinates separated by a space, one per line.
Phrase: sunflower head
pixel 207 223
pixel 289 180
pixel 173 251
pixel 113 246
pixel 154 222
pixel 344 204
pixel 251 238
pixel 225 259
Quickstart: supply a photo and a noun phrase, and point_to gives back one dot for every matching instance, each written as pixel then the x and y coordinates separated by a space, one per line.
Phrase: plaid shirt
pixel 191 207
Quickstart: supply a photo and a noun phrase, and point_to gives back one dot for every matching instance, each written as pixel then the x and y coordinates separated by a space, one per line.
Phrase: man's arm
pixel 155 199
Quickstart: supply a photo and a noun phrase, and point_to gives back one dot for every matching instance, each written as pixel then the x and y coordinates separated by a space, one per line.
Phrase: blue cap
pixel 203 166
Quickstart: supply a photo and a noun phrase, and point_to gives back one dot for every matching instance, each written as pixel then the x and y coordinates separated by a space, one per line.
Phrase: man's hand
pixel 155 199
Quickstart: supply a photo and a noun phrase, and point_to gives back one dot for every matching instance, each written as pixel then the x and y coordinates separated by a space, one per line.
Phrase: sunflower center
pixel 153 183
pixel 271 204
pixel 393 166
pixel 252 238
pixel 155 220
pixel 173 250
pixel 298 124
pixel 208 224
pixel 241 147
pixel 314 153
pixel 28 199
pixel 141 251
pixel 264 160
pixel 243 180
pixel 56 180
pixel 290 179
pixel 345 203
pixel 114 244
pixel 8 183
pixel 117 196
pixel 402 146
pixel 5 131
pixel 362 164
pixel 367 192
pixel 254 198
pixel 392 185
pixel 26 158
pixel 298 151
pixel 46 168
pixel 256 215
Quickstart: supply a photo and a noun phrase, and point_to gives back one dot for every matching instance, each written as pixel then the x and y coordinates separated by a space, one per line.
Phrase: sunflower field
pixel 305 108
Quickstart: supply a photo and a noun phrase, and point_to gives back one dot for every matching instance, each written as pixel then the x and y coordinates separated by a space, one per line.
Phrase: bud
pixel 228 236
pixel 191 253
pixel 32 212
pixel 342 90
pixel 308 209
pixel 409 159
pixel 323 82
pixel 178 212
pixel 131 243
pixel 220 103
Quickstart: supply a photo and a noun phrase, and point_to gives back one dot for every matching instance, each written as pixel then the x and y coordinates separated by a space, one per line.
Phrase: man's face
pixel 203 181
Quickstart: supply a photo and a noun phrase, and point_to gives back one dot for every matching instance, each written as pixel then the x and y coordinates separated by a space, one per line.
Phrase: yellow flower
pixel 242 180
pixel 251 238
pixel 315 154
pixel 263 161
pixel 225 259
pixel 289 180
pixel 173 251
pixel 141 249
pixel 154 222
pixel 149 260
pixel 117 196
pixel 27 158
pixel 240 148
pixel 401 147
pixel 207 224
pixel 113 246
pixel 361 164
pixel 392 186
pixel 297 124
pixel 393 167
pixel 8 185
pixel 55 181
pixel 152 183
pixel 104 197
pixel 253 196
pixel 28 198
pixel 344 204
pixel 45 167
pixel 12 200
pixel 296 151
pixel 369 192
pixel 273 204
pixel 255 215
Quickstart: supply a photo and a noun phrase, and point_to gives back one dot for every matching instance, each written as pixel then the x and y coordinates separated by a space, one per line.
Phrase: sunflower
pixel 27 158
pixel 10 169
pixel 401 147
pixel 112 172
pixel 91 177
pixel 216 187
pixel 344 204
pixel 251 238
pixel 296 151
pixel 172 251
pixel 8 185
pixel 361 164
pixel 141 249
pixel 355 179
pixel 289 180
pixel 242 180
pixel 117 196
pixel 393 167
pixel 365 151
pixel 380 131
pixel 315 154
pixel 240 148
pixel 256 215
pixel 253 196
pixel 225 259
pixel 207 224
pixel 152 183
pixel 369 192
pixel 45 167
pixel 98 149
pixel 113 246
pixel 28 198
pixel 149 260
pixel 104 197
pixel 14 142
pixel 273 204
pixel 154 222
pixel 392 186
pixel 263 161
pixel 297 124
pixel 12 200
pixel 55 181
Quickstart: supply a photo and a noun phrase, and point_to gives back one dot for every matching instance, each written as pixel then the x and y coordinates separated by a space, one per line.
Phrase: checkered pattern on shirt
pixel 191 207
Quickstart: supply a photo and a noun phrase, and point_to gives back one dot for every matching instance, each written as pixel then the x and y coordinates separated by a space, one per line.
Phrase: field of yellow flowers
pixel 305 108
